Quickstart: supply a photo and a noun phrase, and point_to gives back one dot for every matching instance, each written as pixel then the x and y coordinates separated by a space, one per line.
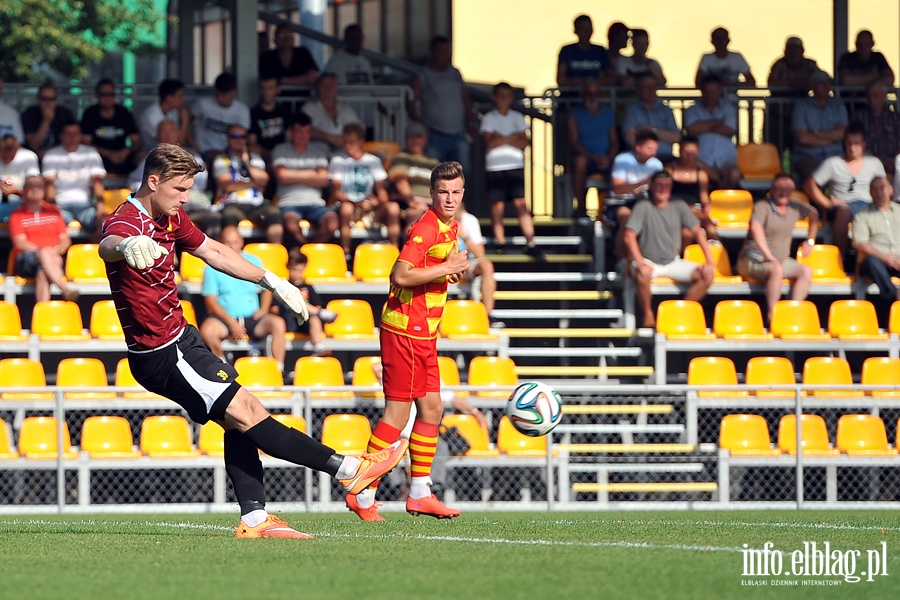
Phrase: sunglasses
pixel 106 94
pixel 852 183
pixel 237 136
pixel 47 98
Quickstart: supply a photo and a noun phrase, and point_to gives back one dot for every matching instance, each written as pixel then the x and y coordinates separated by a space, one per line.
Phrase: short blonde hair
pixel 170 161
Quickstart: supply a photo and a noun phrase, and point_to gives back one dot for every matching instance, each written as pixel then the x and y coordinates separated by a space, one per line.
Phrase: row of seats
pixel 778 370
pixel 857 435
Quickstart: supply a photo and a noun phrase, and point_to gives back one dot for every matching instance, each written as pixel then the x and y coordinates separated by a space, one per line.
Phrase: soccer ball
pixel 534 408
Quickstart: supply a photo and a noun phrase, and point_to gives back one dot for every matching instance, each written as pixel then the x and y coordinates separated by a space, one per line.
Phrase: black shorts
pixel 187 373
pixel 27 264
pixel 505 186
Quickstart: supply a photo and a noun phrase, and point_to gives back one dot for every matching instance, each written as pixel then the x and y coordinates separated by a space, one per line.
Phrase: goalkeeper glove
pixel 287 294
pixel 140 251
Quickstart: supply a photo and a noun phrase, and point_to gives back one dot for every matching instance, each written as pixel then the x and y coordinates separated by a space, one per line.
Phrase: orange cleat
pixel 366 514
pixel 272 527
pixel 430 506
pixel 375 465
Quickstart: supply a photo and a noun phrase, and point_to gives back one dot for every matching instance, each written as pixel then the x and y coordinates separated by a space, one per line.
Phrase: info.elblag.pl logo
pixel 816 563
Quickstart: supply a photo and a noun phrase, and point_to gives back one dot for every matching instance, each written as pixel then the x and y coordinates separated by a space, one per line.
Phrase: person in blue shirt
pixel 583 60
pixel 593 141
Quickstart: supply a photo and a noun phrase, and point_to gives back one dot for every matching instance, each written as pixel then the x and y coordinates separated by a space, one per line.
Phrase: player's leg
pixel 347 211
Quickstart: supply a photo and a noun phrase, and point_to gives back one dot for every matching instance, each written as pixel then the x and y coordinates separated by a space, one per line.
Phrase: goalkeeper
pixel 167 356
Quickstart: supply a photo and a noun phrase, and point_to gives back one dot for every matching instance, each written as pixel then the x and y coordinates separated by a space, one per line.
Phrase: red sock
pixel 422 445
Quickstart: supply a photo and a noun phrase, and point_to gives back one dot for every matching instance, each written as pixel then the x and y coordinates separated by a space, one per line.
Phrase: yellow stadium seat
pixel 384 150
pixel 191 268
pixel 38 439
pixel 739 320
pixel 682 320
pixel 7 448
pixel 274 257
pixel 492 371
pixel 449 373
pixel 295 421
pixel 211 441
pixel 58 321
pixel 513 443
pixel 465 320
pixel 863 435
pixel 797 320
pixel 82 373
pixel 746 435
pixel 258 372
pixel 190 315
pixel 112 198
pixel 758 162
pixel 347 434
pixel 364 375
pixel 84 265
pixel 108 437
pixel 20 373
pixel 694 253
pixel 475 434
pixel 355 320
pixel 167 436
pixel 125 379
pixel 854 320
pixel 105 324
pixel 894 320
pixel 814 436
pixel 11 323
pixel 770 370
pixel 826 263
pixel 731 209
pixel 326 264
pixel 882 370
pixel 372 263
pixel 710 371
pixel 320 371
pixel 823 370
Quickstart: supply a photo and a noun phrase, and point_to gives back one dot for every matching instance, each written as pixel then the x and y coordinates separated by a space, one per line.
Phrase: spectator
pixel 713 121
pixel 289 64
pixel 317 315
pixel 730 68
pixel 16 165
pixel 269 120
pixel 171 107
pixel 10 121
pixel 864 66
pixel 818 125
pixel 617 40
pixel 875 240
pixel 505 138
pixel 357 183
pixel 653 239
pixel 238 309
pixel 348 64
pixel 213 116
pixel 593 141
pixel 765 254
pixel 583 60
pixel 410 174
pixel 441 101
pixel 881 126
pixel 792 73
pixel 629 68
pixel 74 173
pixel 40 242
pixel 301 171
pixel 329 115
pixel 470 240
pixel 42 123
pixel 110 128
pixel 690 182
pixel 848 179
pixel 649 112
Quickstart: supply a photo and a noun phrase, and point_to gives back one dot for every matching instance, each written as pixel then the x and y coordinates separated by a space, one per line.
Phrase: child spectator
pixel 317 315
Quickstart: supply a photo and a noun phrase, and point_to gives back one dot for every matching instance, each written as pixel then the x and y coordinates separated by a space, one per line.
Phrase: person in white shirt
pixel 506 137
pixel 347 64
pixel 16 165
pixel 10 120
pixel 170 106
pixel 630 68
pixel 74 173
pixel 731 68
pixel 328 115
pixel 213 116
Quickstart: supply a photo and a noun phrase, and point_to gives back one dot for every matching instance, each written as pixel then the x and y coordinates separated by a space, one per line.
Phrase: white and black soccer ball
pixel 534 408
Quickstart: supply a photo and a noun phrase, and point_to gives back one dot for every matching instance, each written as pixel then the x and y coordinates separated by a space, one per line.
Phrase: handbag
pixel 457 444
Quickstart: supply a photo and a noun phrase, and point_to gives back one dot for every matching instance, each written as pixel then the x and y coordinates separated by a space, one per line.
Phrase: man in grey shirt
pixel 653 239
pixel 876 237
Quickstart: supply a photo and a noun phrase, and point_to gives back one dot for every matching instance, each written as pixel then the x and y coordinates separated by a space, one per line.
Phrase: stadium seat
pixel 191 268
pixel 7 448
pixel 758 164
pixel 347 434
pixel 826 263
pixel 326 264
pixel 465 320
pixel 713 370
pixel 84 265
pixel 694 253
pixel 211 441
pixel 258 372
pixel 58 321
pixel 513 443
pixel 490 372
pixel 38 439
pixel 364 375
pixel 320 371
pixel 813 440
pixel 746 435
pixel 295 421
pixel 739 320
pixel 823 370
pixel 190 315
pixel 475 434
pixel 882 370
pixel 372 263
pixel 108 437
pixel 19 373
pixel 125 379
pixel 770 370
pixel 105 324
pixel 113 197
pixel 797 320
pixel 731 209
pixel 167 436
pixel 894 319
pixel 850 320
pixel 384 150
pixel 355 320
pixel 682 320
pixel 449 373
pixel 274 257
pixel 82 373
pixel 863 435
pixel 11 323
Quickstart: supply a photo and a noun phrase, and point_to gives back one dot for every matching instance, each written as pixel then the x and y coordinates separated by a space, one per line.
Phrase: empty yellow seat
pixel 770 370
pixel 113 197
pixel 449 373
pixel 274 257
pixel 511 442
pixel 739 320
pixel 259 372
pixel 746 435
pixel 894 320
pixel 108 437
pixel 682 320
pixel 706 371
pixel 22 373
pixel 191 268
pixel 475 434
pixel 190 315
pixel 288 420
pixel 797 320
pixel 364 375
pixel 372 263
pixel 354 321
pixel 854 320
pixel 882 370
pixel 722 262
pixel 320 371
pixel 813 439
pixel 731 209
pixel 84 265
pixel 465 320
pixel 11 323
pixel 167 436
pixel 347 434
pixel 863 435
pixel 826 263
pixel 83 373
pixel 7 448
pixel 211 441
pixel 490 372
pixel 384 150
pixel 58 321
pixel 38 439
pixel 824 370
pixel 758 162
pixel 125 379
pixel 326 264
pixel 105 324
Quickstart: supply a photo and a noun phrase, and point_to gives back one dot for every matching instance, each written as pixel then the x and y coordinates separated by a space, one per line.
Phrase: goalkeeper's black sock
pixel 245 471
pixel 288 444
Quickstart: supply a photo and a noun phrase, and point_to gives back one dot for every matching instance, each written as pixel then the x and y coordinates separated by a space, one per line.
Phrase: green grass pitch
pixel 480 555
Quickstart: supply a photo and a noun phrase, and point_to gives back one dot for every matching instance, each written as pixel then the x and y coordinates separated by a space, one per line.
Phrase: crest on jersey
pixel 417 239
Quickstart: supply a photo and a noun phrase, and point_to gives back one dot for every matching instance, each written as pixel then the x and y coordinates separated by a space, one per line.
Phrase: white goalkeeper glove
pixel 287 294
pixel 140 251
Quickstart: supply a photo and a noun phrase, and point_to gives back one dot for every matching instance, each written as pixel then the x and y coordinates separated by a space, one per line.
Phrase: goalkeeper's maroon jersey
pixel 147 300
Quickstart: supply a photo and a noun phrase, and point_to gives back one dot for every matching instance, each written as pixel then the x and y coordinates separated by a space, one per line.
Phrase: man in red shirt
pixel 428 262
pixel 168 357
pixel 40 240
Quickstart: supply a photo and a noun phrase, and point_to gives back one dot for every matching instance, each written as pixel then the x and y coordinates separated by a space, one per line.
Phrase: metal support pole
pixel 799 432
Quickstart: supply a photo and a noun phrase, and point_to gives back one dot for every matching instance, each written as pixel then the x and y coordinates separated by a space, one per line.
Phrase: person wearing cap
pixel 731 68
pixel 409 175
pixel 818 126
pixel 617 37
pixel 16 164
pixel 789 78
pixel 584 60
pixel 213 116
